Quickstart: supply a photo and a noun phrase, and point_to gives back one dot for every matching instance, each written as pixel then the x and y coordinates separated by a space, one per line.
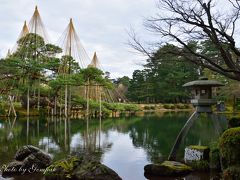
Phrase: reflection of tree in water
pixel 87 133
pixel 156 135
pixel 14 134
pixel 54 135
pixel 203 131
pixel 8 138
pixel 60 136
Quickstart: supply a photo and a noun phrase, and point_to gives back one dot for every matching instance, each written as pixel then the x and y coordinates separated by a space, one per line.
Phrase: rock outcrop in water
pixel 81 167
pixel 32 160
pixel 167 168
pixel 27 160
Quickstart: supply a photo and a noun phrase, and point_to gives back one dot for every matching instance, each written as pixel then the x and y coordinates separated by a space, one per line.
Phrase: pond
pixel 124 144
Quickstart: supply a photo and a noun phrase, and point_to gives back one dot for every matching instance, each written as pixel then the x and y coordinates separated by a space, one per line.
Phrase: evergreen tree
pixel 162 78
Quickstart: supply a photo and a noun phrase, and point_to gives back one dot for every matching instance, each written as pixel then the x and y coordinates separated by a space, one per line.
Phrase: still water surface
pixel 124 144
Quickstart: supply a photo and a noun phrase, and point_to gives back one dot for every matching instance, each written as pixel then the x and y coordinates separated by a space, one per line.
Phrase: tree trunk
pixel 28 101
pixel 60 111
pixel 88 98
pixel 69 100
pixel 100 105
pixel 66 101
pixel 38 101
pixel 55 106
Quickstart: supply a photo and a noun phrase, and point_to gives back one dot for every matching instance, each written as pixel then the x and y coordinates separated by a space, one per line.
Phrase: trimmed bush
pixel 180 106
pixel 131 107
pixel 93 105
pixel 229 145
pixel 105 112
pixel 121 107
pixel 166 106
pixel 169 106
pixel 187 106
pixel 149 107
pixel 152 107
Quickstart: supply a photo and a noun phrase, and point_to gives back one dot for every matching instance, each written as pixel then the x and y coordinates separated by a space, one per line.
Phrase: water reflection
pixel 211 117
pixel 124 144
pixel 11 124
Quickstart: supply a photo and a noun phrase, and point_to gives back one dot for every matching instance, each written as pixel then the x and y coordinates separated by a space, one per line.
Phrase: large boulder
pixel 96 171
pixel 27 160
pixel 25 151
pixel 167 168
pixel 81 168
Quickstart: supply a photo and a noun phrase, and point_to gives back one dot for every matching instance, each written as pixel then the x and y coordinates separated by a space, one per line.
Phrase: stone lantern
pixel 202 100
pixel 202 93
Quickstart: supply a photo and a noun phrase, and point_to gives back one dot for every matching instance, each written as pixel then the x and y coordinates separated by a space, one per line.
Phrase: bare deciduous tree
pixel 183 21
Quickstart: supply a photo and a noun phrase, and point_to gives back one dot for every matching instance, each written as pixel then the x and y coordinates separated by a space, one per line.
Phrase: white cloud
pixel 101 26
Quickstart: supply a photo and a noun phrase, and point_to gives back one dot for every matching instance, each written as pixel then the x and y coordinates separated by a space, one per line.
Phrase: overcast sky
pixel 100 24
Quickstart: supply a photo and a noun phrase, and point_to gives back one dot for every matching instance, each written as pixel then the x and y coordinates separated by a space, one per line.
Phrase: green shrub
pixel 111 106
pixel 119 107
pixel 169 106
pixel 180 106
pixel 93 105
pixel 147 107
pixel 234 122
pixel 77 100
pixel 108 106
pixel 166 106
pixel 229 145
pixel 106 112
pixel 152 107
pixel 114 106
pixel 131 107
pixel 187 106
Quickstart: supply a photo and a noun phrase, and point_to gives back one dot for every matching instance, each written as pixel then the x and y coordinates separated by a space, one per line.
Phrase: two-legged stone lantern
pixel 202 100
pixel 202 92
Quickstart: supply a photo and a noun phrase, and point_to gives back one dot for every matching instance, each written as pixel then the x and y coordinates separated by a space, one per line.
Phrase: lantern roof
pixel 203 81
